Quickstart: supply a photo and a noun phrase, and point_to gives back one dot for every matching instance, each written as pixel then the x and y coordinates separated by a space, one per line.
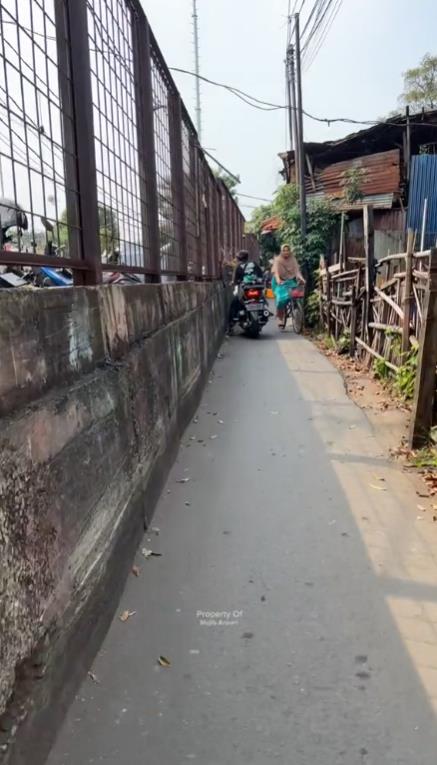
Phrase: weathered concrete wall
pixel 96 386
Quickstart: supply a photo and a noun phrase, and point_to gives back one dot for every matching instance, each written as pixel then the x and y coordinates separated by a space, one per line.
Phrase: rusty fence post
pixel 177 174
pixel 73 47
pixel 408 292
pixel 424 393
pixel 146 145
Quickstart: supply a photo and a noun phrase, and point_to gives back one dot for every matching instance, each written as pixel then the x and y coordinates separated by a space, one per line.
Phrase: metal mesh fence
pixel 33 151
pixel 100 165
pixel 115 133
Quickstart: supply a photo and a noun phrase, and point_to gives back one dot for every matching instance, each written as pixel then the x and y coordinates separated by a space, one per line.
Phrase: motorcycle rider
pixel 247 271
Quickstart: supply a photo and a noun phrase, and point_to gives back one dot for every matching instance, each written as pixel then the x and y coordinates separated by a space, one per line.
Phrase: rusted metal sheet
pixel 379 174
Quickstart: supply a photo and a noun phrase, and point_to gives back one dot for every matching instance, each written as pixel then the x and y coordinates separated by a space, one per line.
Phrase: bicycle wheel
pixel 297 316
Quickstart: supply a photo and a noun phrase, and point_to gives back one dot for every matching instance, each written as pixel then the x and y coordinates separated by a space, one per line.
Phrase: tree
pixel 420 84
pixel 109 230
pixel 230 182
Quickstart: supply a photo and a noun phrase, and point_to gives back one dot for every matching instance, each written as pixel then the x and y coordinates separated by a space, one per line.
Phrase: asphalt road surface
pixel 296 595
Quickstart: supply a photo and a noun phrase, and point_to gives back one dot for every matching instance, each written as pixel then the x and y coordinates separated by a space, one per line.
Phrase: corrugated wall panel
pixel 423 186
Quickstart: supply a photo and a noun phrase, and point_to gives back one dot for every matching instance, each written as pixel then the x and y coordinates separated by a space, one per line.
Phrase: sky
pixel 357 72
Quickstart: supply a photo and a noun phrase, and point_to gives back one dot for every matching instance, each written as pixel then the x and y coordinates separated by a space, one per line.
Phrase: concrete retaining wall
pixel 96 387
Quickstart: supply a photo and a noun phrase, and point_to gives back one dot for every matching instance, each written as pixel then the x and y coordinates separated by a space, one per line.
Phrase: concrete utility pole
pixel 197 70
pixel 301 150
pixel 292 111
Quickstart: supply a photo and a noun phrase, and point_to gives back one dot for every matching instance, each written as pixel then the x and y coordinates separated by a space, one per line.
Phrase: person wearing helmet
pixel 246 272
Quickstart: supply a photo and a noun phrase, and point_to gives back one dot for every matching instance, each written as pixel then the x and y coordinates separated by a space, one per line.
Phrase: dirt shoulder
pixel 389 417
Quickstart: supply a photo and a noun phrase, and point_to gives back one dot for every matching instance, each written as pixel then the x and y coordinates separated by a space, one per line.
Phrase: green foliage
pixel 230 182
pixel 321 222
pixel 312 310
pixel 420 84
pixel 381 370
pixel 352 182
pixel 109 230
pixel 424 458
pixel 343 343
pixel 403 381
pixel 405 377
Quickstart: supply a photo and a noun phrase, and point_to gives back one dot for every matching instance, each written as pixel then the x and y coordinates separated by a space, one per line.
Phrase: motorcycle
pixel 254 312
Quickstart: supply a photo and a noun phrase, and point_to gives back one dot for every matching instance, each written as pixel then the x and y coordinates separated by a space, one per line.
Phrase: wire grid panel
pixel 212 204
pixel 203 214
pixel 120 222
pixel 170 250
pixel 33 124
pixel 189 152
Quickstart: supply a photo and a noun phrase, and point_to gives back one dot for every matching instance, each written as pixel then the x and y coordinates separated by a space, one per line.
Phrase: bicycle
pixel 294 309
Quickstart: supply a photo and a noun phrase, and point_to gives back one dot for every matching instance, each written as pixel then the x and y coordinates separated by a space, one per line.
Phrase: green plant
pixel 352 182
pixel 312 310
pixel 424 458
pixel 381 370
pixel 343 343
pixel 405 377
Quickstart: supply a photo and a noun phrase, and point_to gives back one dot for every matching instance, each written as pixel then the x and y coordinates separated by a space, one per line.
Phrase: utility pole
pixel 301 150
pixel 292 111
pixel 197 70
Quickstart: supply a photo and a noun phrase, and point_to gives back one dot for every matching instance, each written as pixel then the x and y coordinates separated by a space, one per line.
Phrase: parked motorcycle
pixel 254 312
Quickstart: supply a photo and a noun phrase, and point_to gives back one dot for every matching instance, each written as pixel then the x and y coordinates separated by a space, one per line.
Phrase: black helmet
pixel 243 255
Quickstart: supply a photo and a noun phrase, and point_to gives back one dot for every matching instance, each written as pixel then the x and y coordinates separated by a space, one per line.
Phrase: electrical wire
pixel 257 101
pixel 324 33
pixel 324 9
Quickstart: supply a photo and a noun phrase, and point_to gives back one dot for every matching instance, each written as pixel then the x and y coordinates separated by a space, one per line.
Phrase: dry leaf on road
pixel 135 570
pixel 377 488
pixel 94 677
pixel 126 615
pixel 164 662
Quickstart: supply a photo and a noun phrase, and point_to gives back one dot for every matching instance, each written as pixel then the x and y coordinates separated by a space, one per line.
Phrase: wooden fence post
pixel 424 392
pixel 353 342
pixel 328 302
pixel 408 293
pixel 369 249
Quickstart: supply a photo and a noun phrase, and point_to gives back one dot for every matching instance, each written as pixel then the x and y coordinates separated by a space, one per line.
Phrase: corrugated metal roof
pixel 380 175
pixel 423 185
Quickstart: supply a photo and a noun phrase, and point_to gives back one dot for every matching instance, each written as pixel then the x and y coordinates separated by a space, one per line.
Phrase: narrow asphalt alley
pixel 303 541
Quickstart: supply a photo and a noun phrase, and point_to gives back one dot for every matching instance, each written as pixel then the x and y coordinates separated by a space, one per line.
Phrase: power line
pixel 324 9
pixel 324 33
pixel 249 196
pixel 326 120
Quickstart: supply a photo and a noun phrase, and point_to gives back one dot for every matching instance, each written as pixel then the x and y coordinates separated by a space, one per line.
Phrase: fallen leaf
pixel 187 504
pixel 213 437
pixel 421 508
pixel 164 662
pixel 377 488
pixel 147 553
pixel 135 570
pixel 183 480
pixel 126 615
pixel 94 677
pixel 419 518
pixel 220 422
pixel 156 530
pixel 434 517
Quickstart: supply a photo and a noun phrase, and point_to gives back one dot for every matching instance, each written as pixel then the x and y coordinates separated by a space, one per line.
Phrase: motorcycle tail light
pixel 253 293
